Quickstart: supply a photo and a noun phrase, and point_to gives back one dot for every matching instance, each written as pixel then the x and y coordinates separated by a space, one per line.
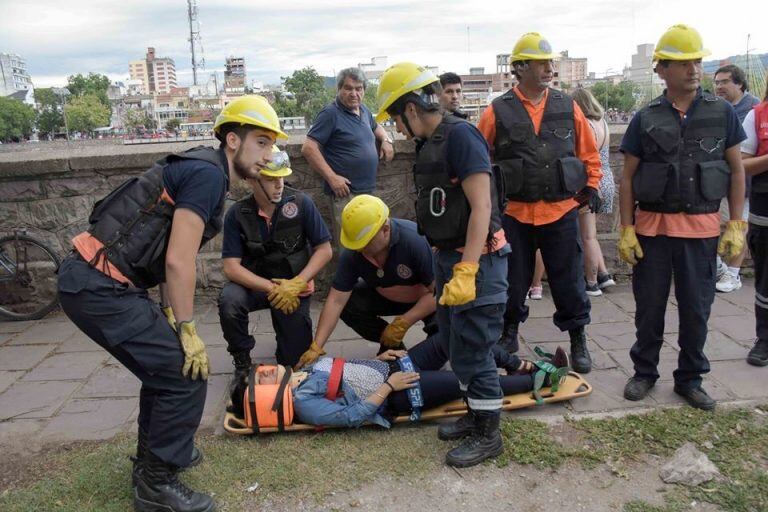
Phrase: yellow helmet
pixel 280 166
pixel 532 46
pixel 251 109
pixel 397 81
pixel 680 42
pixel 361 219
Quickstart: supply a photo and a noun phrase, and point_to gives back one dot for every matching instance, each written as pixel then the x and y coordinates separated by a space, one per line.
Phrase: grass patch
pixel 308 467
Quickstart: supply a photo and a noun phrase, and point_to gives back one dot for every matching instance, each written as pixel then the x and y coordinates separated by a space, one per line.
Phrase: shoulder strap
pixel 334 381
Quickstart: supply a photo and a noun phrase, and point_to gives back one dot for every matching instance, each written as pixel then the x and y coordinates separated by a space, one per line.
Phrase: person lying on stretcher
pixel 378 390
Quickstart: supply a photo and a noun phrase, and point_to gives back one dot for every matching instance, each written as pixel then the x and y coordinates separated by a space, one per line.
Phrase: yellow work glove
pixel 168 312
pixel 392 336
pixel 732 242
pixel 310 356
pixel 285 296
pixel 195 357
pixel 629 246
pixel 461 288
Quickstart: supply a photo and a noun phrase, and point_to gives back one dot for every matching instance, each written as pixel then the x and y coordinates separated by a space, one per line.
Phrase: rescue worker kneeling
pixel 275 243
pixel 375 391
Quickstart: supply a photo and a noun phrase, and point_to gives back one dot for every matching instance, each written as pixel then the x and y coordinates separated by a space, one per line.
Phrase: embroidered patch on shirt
pixel 290 210
pixel 404 271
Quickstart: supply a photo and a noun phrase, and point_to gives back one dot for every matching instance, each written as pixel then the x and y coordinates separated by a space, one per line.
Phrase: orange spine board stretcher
pixel 574 387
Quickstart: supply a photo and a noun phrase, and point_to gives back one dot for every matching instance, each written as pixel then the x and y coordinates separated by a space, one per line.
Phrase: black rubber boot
pixel 581 361
pixel 141 454
pixel 159 489
pixel 484 443
pixel 460 428
pixel 508 340
pixel 242 362
pixel 138 460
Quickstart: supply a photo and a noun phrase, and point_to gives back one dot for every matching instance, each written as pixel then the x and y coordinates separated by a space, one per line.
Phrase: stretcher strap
pixel 278 405
pixel 415 397
pixel 252 399
pixel 334 381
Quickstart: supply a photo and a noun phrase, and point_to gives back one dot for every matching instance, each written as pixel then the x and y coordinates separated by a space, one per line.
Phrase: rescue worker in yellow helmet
pixel 458 210
pixel 681 157
pixel 127 250
pixel 384 269
pixel 275 243
pixel 546 149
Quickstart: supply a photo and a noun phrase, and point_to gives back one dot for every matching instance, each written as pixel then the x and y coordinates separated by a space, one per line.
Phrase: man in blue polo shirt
pixel 341 144
pixel 384 269
pixel 275 243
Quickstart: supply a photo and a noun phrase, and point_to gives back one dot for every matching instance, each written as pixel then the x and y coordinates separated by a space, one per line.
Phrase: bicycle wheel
pixel 28 282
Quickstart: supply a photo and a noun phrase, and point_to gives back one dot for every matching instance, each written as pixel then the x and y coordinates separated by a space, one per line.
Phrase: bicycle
pixel 28 282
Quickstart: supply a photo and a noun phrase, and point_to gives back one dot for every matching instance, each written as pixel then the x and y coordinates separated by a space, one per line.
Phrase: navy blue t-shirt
pixel 467 152
pixel 348 145
pixel 197 185
pixel 632 141
pixel 409 263
pixel 314 227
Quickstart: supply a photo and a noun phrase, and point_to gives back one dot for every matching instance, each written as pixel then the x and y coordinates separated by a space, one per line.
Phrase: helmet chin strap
pixel 264 191
pixel 407 124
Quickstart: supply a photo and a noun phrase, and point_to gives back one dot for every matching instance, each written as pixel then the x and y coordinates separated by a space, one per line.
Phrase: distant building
pixel 13 74
pixel 173 105
pixel 479 88
pixel 26 96
pixel 234 76
pixel 570 70
pixel 641 71
pixel 374 68
pixel 157 74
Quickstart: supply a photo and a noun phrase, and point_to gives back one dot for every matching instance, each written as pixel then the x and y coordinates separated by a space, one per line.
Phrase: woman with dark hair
pixel 754 154
pixel 595 271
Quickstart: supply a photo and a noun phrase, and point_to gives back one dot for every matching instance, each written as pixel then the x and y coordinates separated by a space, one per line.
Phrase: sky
pixel 64 37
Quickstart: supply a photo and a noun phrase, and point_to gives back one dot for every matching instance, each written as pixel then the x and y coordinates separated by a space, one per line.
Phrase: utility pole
pixel 194 38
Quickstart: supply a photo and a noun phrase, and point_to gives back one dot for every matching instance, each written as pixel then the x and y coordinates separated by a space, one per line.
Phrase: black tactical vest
pixel 286 251
pixel 134 224
pixel 537 167
pixel 442 209
pixel 683 170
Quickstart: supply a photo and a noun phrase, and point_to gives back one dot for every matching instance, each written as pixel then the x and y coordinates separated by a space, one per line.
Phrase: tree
pixel 94 84
pixel 707 84
pixel 309 93
pixel 16 119
pixel 370 98
pixel 136 118
pixel 173 124
pixel 85 113
pixel 620 97
pixel 50 119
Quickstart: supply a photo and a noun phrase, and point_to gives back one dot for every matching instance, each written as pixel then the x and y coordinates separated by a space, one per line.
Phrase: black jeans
pixel 757 238
pixel 366 306
pixel 293 332
pixel 125 322
pixel 563 257
pixel 692 263
pixel 439 387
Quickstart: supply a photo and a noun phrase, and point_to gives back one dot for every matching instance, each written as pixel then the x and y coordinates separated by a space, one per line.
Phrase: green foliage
pixel 621 96
pixel 16 119
pixel 50 119
pixel 309 94
pixel 136 118
pixel 707 83
pixel 94 84
pixel 173 124
pixel 85 113
pixel 370 98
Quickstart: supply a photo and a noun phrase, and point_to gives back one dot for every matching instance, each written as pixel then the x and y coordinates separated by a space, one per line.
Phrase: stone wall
pixel 50 191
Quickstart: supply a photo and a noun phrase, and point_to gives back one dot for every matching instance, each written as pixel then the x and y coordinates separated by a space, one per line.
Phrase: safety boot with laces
pixel 581 361
pixel 458 429
pixel 758 355
pixel 141 455
pixel 508 340
pixel 242 362
pixel 159 489
pixel 483 443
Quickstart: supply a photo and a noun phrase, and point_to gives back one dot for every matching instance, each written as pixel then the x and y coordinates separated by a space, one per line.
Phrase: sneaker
pixel 637 389
pixel 605 280
pixel 696 397
pixel 593 290
pixel 535 292
pixel 758 356
pixel 722 268
pixel 728 283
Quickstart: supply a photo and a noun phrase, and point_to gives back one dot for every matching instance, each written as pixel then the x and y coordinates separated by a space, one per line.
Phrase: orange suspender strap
pixel 334 381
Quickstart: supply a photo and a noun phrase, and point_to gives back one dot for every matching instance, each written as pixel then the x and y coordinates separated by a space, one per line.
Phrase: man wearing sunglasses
pixel 275 243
